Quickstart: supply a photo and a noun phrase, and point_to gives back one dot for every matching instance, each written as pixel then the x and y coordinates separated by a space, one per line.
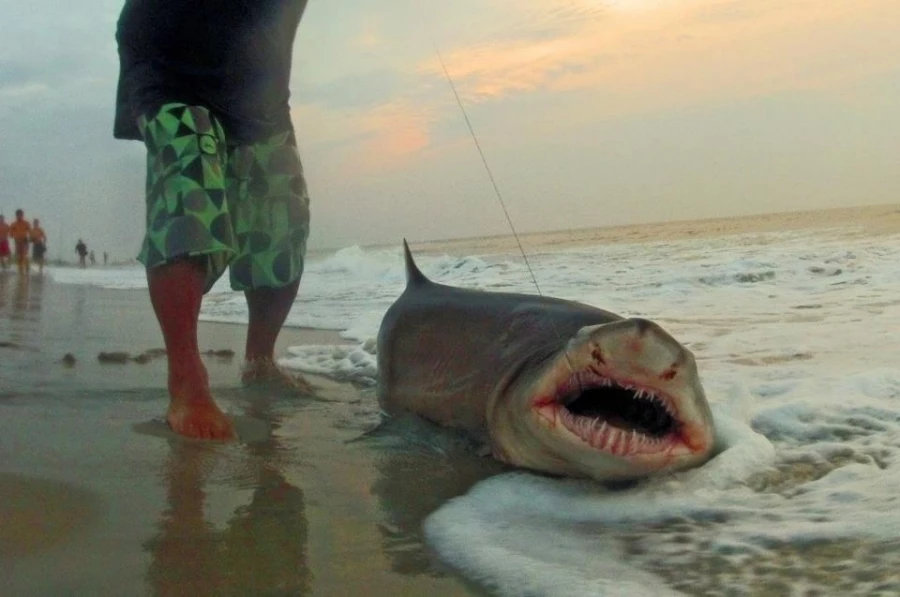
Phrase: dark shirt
pixel 230 56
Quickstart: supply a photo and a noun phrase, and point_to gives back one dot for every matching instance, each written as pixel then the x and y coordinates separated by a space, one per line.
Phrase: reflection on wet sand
pixel 27 298
pixel 38 514
pixel 4 289
pixel 263 548
pixel 305 511
pixel 20 305
pixel 413 482
pixel 302 512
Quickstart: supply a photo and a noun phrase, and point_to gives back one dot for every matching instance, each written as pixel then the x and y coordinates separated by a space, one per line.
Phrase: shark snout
pixel 641 349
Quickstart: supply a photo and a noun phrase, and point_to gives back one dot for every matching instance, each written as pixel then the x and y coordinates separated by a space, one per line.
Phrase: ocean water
pixel 797 337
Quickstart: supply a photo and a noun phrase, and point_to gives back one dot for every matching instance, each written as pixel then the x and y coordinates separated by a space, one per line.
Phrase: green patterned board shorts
pixel 245 207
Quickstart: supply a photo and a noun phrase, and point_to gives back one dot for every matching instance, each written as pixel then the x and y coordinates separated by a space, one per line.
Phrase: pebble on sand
pixel 114 357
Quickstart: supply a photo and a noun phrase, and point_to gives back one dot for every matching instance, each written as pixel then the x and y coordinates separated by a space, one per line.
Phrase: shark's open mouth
pixel 615 416
pixel 628 409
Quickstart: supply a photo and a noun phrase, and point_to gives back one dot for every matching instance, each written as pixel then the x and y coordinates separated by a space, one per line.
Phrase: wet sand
pixel 39 513
pixel 91 503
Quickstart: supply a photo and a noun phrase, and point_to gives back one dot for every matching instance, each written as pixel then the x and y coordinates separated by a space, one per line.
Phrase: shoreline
pixel 881 218
pixel 878 220
pixel 213 332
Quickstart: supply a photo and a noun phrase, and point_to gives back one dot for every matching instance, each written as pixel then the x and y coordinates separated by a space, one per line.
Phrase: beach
pixel 792 318
pixel 91 506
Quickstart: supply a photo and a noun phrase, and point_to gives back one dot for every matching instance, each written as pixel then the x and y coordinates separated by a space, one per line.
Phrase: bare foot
pixel 265 372
pixel 199 420
pixel 192 411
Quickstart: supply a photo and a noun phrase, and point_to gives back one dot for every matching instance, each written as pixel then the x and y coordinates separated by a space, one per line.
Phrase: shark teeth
pixel 601 435
pixel 608 438
pixel 584 380
pixel 644 394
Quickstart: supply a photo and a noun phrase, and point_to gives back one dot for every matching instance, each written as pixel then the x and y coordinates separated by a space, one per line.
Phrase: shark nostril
pixel 597 354
pixel 670 373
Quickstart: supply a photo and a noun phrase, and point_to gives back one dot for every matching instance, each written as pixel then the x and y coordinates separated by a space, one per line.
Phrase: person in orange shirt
pixel 38 245
pixel 20 231
pixel 4 243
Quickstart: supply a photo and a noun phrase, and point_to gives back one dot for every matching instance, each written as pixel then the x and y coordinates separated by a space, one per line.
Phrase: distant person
pixel 93 259
pixel 82 251
pixel 4 243
pixel 38 244
pixel 206 87
pixel 105 257
pixel 19 232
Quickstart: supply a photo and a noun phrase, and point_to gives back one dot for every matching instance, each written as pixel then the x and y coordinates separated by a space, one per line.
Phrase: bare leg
pixel 269 307
pixel 176 291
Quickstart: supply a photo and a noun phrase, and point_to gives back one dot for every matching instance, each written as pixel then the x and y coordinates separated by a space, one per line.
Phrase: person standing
pixel 205 86
pixel 82 251
pixel 4 243
pixel 38 245
pixel 19 232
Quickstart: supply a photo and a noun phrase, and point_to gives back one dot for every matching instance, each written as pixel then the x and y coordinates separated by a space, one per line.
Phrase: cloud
pixel 394 133
pixel 22 90
pixel 50 52
pixel 687 52
pixel 376 138
pixel 498 70
pixel 369 89
pixel 571 63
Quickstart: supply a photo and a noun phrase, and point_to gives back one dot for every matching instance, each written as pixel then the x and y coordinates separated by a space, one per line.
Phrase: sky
pixel 589 112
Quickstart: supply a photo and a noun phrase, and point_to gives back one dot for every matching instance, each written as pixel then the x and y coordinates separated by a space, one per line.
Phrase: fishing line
pixel 486 166
pixel 499 196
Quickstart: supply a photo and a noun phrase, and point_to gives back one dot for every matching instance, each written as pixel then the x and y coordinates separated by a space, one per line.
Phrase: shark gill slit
pixel 499 196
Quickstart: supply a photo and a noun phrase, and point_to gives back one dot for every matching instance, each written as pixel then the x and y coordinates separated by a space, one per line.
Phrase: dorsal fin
pixel 414 275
